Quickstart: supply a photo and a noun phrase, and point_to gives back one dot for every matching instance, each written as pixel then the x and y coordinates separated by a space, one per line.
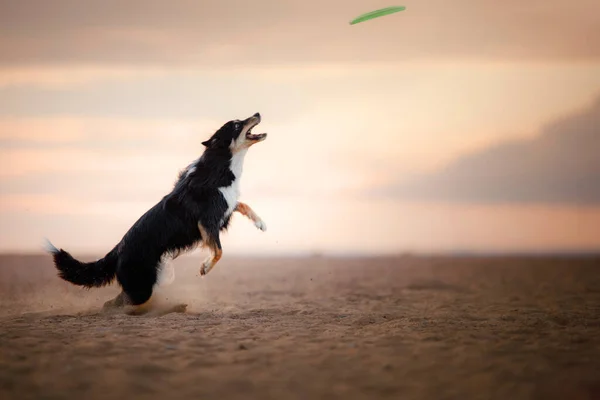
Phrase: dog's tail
pixel 92 274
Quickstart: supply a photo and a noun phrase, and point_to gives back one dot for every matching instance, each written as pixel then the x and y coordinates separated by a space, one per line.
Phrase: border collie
pixel 196 210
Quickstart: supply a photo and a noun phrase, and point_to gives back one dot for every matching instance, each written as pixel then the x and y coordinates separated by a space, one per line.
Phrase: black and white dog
pixel 194 213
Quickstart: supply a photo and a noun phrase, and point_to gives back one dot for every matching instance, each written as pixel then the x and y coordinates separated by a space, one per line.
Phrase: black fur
pixel 168 228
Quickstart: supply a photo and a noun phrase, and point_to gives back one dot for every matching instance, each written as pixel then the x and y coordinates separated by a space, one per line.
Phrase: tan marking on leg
pixel 214 248
pixel 245 210
pixel 248 212
pixel 211 261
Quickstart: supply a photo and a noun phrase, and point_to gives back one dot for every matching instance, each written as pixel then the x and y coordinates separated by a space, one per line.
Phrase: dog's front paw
pixel 204 268
pixel 260 224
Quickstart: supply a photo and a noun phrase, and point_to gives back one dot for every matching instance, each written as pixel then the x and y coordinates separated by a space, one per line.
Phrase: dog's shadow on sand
pixel 156 310
pixel 152 310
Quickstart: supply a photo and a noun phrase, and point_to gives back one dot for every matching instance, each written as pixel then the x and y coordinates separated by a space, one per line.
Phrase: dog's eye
pixel 237 126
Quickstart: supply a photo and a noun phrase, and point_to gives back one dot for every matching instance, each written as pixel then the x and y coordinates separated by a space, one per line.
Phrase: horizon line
pixel 591 253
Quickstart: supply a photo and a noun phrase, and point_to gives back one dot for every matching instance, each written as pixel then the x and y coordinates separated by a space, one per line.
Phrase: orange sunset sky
pixel 465 125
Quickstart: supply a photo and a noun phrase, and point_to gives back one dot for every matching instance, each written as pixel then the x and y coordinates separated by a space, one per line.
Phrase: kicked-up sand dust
pixel 311 328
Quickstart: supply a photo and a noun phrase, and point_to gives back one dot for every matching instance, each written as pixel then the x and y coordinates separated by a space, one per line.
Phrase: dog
pixel 197 209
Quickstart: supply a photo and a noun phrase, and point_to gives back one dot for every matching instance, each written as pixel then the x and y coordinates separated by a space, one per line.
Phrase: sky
pixel 470 125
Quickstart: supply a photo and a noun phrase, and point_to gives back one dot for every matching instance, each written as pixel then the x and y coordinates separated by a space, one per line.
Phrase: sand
pixel 311 328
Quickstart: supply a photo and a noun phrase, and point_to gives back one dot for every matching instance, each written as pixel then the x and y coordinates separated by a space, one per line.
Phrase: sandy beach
pixel 311 328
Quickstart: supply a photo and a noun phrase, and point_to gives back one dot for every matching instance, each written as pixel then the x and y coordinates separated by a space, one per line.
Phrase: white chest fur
pixel 231 193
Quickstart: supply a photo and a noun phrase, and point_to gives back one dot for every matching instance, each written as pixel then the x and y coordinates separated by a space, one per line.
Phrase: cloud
pixel 239 32
pixel 558 166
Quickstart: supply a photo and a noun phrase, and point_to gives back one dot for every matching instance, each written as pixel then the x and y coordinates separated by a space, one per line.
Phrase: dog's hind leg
pixel 247 211
pixel 210 239
pixel 120 301
pixel 141 309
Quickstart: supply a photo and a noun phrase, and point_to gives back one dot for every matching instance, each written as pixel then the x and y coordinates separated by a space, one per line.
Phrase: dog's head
pixel 236 135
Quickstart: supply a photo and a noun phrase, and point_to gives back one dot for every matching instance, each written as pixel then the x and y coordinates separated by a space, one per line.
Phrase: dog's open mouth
pixel 258 137
pixel 255 138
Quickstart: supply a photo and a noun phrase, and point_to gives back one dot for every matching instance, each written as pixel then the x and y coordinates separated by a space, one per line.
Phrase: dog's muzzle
pixel 252 122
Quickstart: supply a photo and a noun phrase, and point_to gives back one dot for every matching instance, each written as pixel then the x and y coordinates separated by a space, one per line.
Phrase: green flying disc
pixel 377 13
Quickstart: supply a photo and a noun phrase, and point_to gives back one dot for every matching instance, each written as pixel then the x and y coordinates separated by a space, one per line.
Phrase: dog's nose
pixel 257 115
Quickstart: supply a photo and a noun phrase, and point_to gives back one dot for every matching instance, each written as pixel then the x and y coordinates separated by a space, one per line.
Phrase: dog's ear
pixel 216 143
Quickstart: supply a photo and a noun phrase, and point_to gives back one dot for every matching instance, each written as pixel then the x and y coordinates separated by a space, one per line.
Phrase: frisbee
pixel 376 14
